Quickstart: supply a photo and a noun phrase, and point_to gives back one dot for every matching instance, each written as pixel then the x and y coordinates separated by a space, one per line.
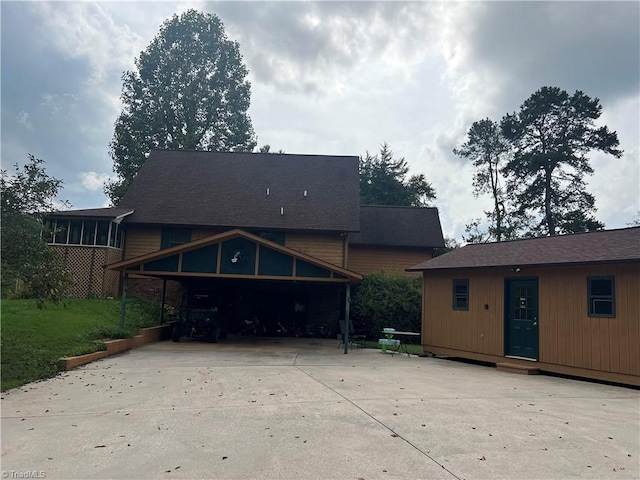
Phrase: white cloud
pixel 94 181
pixel 334 78
pixel 23 119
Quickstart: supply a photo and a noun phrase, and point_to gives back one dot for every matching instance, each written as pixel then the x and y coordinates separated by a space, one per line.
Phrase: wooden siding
pixel 367 260
pixel 568 337
pixel 141 240
pixel 327 247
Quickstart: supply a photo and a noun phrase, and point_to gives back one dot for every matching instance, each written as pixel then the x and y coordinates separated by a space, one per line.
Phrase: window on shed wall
pixel 460 299
pixel 601 297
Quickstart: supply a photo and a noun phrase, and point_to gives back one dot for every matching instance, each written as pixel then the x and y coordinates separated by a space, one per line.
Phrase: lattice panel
pixel 86 265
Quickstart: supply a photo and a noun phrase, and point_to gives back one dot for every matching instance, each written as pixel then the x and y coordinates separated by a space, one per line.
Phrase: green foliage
pixel 551 136
pixel 533 164
pixel 386 299
pixel 266 148
pixel 450 244
pixel 189 92
pixel 34 339
pixel 488 150
pixel 383 182
pixel 30 269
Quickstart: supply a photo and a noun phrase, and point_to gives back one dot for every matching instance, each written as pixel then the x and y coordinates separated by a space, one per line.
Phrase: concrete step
pixel 517 368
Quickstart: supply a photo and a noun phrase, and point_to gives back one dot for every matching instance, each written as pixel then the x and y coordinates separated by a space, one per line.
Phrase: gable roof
pixel 591 247
pixel 136 265
pixel 179 187
pixel 398 227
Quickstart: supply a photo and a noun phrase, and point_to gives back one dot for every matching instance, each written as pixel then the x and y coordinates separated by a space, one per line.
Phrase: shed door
pixel 521 317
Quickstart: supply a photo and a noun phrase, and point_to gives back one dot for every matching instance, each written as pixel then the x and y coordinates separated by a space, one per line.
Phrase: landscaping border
pixel 144 337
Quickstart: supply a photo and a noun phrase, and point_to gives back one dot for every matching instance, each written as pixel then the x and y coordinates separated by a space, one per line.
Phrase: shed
pixel 566 304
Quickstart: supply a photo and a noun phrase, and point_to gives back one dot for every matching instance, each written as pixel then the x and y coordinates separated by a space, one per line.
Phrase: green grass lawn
pixel 33 340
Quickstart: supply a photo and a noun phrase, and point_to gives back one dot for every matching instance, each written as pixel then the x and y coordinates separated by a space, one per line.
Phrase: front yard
pixel 33 340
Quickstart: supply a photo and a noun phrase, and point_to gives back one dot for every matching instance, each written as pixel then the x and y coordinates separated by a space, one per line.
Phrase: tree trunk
pixel 547 202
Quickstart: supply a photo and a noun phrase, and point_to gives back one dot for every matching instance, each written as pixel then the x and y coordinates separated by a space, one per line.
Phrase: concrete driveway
pixel 300 409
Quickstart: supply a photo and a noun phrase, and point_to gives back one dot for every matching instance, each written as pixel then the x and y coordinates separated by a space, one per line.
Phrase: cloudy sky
pixel 334 78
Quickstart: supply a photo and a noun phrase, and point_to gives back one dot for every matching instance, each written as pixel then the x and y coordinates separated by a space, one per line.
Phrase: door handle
pixel 535 321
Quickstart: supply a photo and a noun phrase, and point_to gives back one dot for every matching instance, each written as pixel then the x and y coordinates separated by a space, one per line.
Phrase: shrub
pixel 387 300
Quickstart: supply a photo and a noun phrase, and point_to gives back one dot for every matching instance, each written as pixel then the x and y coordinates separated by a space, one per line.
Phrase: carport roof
pixel 207 257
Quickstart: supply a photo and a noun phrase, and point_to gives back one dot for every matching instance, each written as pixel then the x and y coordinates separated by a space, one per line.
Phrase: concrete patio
pixel 301 409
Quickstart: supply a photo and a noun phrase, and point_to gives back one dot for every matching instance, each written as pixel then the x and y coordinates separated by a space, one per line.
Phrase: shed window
pixel 601 297
pixel 461 294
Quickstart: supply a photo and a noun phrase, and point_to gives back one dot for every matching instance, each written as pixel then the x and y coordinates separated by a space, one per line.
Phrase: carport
pixel 250 275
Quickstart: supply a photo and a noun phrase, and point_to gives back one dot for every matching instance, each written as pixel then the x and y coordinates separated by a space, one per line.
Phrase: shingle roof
pixel 109 212
pixel 599 246
pixel 398 227
pixel 180 187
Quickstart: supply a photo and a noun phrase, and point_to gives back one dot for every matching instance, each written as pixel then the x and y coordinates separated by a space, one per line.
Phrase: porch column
pixel 164 294
pixel 123 299
pixel 347 303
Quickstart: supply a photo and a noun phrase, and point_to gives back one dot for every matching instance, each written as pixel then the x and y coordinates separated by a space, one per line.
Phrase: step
pixel 517 368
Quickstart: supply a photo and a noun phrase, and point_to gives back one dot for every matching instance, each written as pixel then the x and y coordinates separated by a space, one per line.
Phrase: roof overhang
pixel 235 254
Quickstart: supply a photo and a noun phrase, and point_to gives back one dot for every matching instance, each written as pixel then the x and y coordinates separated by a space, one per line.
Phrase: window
pixel 102 237
pixel 174 236
pixel 75 232
pixel 461 294
pixel 89 232
pixel 277 237
pixel 82 232
pixel 48 229
pixel 601 297
pixel 62 229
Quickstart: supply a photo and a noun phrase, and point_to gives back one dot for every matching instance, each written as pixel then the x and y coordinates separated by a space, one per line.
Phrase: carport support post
pixel 347 302
pixel 123 299
pixel 164 295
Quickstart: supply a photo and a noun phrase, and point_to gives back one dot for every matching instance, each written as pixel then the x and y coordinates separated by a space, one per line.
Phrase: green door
pixel 521 318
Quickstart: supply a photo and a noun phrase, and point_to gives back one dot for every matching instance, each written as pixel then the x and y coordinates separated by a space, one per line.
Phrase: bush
pixel 387 300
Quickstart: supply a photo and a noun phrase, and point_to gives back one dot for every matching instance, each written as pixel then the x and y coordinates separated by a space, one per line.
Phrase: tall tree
pixel 552 135
pixel 27 261
pixel 189 92
pixel 383 181
pixel 488 150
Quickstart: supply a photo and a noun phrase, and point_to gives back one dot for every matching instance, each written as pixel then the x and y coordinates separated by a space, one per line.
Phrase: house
pixel 277 237
pixel 566 304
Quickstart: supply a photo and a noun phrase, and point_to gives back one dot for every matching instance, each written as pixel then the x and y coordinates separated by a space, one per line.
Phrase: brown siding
pixel 141 240
pixel 327 247
pixel 567 335
pixel 367 260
